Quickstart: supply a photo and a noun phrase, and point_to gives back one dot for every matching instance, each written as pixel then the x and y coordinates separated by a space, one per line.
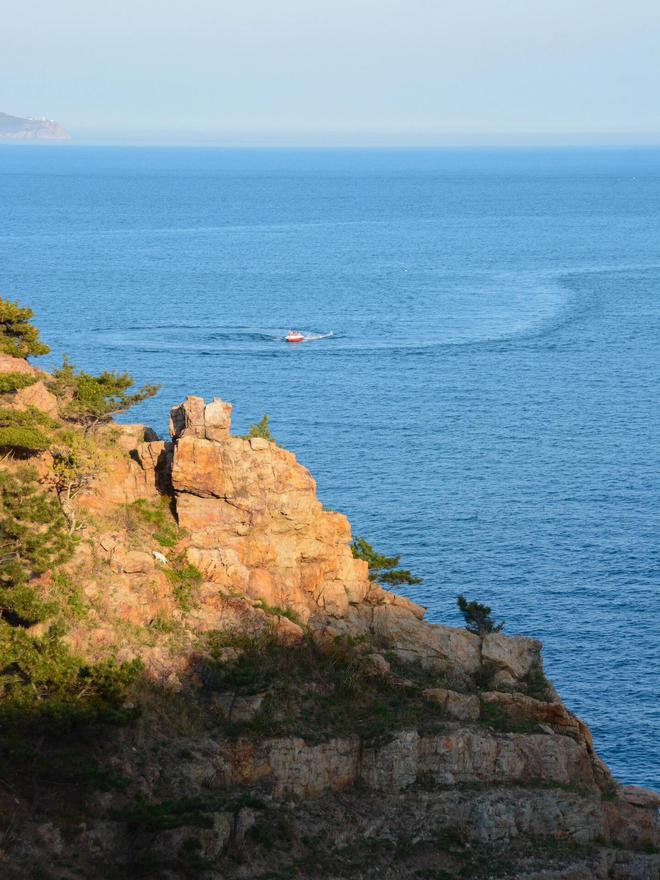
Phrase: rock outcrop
pixel 206 557
pixel 16 128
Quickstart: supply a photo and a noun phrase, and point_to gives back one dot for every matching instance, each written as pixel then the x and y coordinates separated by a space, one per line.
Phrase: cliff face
pixel 295 718
pixel 15 128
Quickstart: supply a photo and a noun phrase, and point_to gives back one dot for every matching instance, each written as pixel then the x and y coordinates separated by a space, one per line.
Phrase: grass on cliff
pixel 156 518
pixel 313 690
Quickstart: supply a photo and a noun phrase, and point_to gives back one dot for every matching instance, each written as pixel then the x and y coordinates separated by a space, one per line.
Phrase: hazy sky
pixel 328 71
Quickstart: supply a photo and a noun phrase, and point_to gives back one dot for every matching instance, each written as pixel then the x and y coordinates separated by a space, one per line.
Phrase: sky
pixel 331 72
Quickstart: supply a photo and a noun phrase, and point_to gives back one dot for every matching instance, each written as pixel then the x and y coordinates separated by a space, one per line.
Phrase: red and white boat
pixel 294 336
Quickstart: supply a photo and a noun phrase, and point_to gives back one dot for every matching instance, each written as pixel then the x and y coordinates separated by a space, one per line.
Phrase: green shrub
pixel 68 597
pixel 382 568
pixel 92 400
pixel 41 680
pixel 537 684
pixel 478 618
pixel 313 690
pixel 500 720
pixel 17 335
pixel 260 429
pixel 185 579
pixel 10 382
pixel 25 431
pixel 34 538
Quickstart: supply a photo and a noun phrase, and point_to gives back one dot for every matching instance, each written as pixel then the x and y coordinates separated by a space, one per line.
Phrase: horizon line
pixel 652 139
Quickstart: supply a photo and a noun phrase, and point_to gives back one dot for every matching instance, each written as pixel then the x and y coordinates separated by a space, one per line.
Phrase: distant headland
pixel 15 128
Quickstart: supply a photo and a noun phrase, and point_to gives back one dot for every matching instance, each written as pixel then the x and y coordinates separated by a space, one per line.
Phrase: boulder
pixel 38 396
pixel 193 418
pixel 640 797
pixel 440 647
pixel 217 419
pixel 554 715
pixel 513 655
pixel 462 707
pixel 9 364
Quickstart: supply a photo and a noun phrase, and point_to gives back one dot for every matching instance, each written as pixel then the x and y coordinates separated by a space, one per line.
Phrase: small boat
pixel 294 336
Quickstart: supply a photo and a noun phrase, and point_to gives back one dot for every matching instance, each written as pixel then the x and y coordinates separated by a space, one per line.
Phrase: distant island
pixel 15 128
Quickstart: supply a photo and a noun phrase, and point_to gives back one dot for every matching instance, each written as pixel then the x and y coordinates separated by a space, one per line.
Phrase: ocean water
pixel 487 404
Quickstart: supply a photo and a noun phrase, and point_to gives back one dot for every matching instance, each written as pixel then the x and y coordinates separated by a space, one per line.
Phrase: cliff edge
pixel 285 715
pixel 15 128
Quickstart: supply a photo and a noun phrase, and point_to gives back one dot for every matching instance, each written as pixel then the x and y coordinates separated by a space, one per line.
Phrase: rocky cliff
pixel 15 128
pixel 291 718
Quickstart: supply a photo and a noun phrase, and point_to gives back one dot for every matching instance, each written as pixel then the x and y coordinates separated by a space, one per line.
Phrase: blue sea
pixel 488 402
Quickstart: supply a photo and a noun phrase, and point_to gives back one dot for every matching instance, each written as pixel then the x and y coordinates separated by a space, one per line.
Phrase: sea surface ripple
pixel 488 402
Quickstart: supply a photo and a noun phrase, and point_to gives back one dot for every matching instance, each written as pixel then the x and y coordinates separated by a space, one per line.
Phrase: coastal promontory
pixel 16 128
pixel 202 677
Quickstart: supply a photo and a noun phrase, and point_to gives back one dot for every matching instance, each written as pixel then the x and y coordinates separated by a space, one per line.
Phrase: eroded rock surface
pixel 499 780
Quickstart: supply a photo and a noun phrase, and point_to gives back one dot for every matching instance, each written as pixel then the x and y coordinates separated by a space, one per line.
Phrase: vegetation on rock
pixel 185 579
pixel 18 337
pixel 315 689
pixel 76 464
pixel 25 431
pixel 33 539
pixel 10 382
pixel 256 741
pixel 38 674
pixel 478 619
pixel 383 569
pixel 159 515
pixel 261 429
pixel 93 400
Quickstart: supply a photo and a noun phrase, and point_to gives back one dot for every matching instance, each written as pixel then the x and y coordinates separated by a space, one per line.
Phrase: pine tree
pixel 33 539
pixel 478 618
pixel 18 337
pixel 260 429
pixel 92 400
pixel 383 569
pixel 25 431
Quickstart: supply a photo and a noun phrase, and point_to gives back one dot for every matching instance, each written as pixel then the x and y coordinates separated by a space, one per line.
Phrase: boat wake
pixel 311 337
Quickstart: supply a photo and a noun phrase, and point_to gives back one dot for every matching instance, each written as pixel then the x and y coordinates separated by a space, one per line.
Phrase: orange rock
pixel 9 364
pixel 40 397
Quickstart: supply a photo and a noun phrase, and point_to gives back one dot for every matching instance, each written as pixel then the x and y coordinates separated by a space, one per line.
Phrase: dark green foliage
pixel 39 676
pixel 537 684
pixel 68 596
pixel 382 568
pixel 148 815
pixel 272 829
pixel 91 400
pixel 41 680
pixel 34 538
pixel 261 429
pixel 478 618
pixel 25 431
pixel 10 382
pixel 485 675
pixel 17 335
pixel 159 816
pixel 314 690
pixel 499 719
pixel 185 579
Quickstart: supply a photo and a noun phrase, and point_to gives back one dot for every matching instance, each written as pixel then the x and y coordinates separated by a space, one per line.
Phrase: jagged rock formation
pixel 15 128
pixel 240 771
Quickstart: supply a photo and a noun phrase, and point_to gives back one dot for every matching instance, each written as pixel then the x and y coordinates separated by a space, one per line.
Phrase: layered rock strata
pixel 500 780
